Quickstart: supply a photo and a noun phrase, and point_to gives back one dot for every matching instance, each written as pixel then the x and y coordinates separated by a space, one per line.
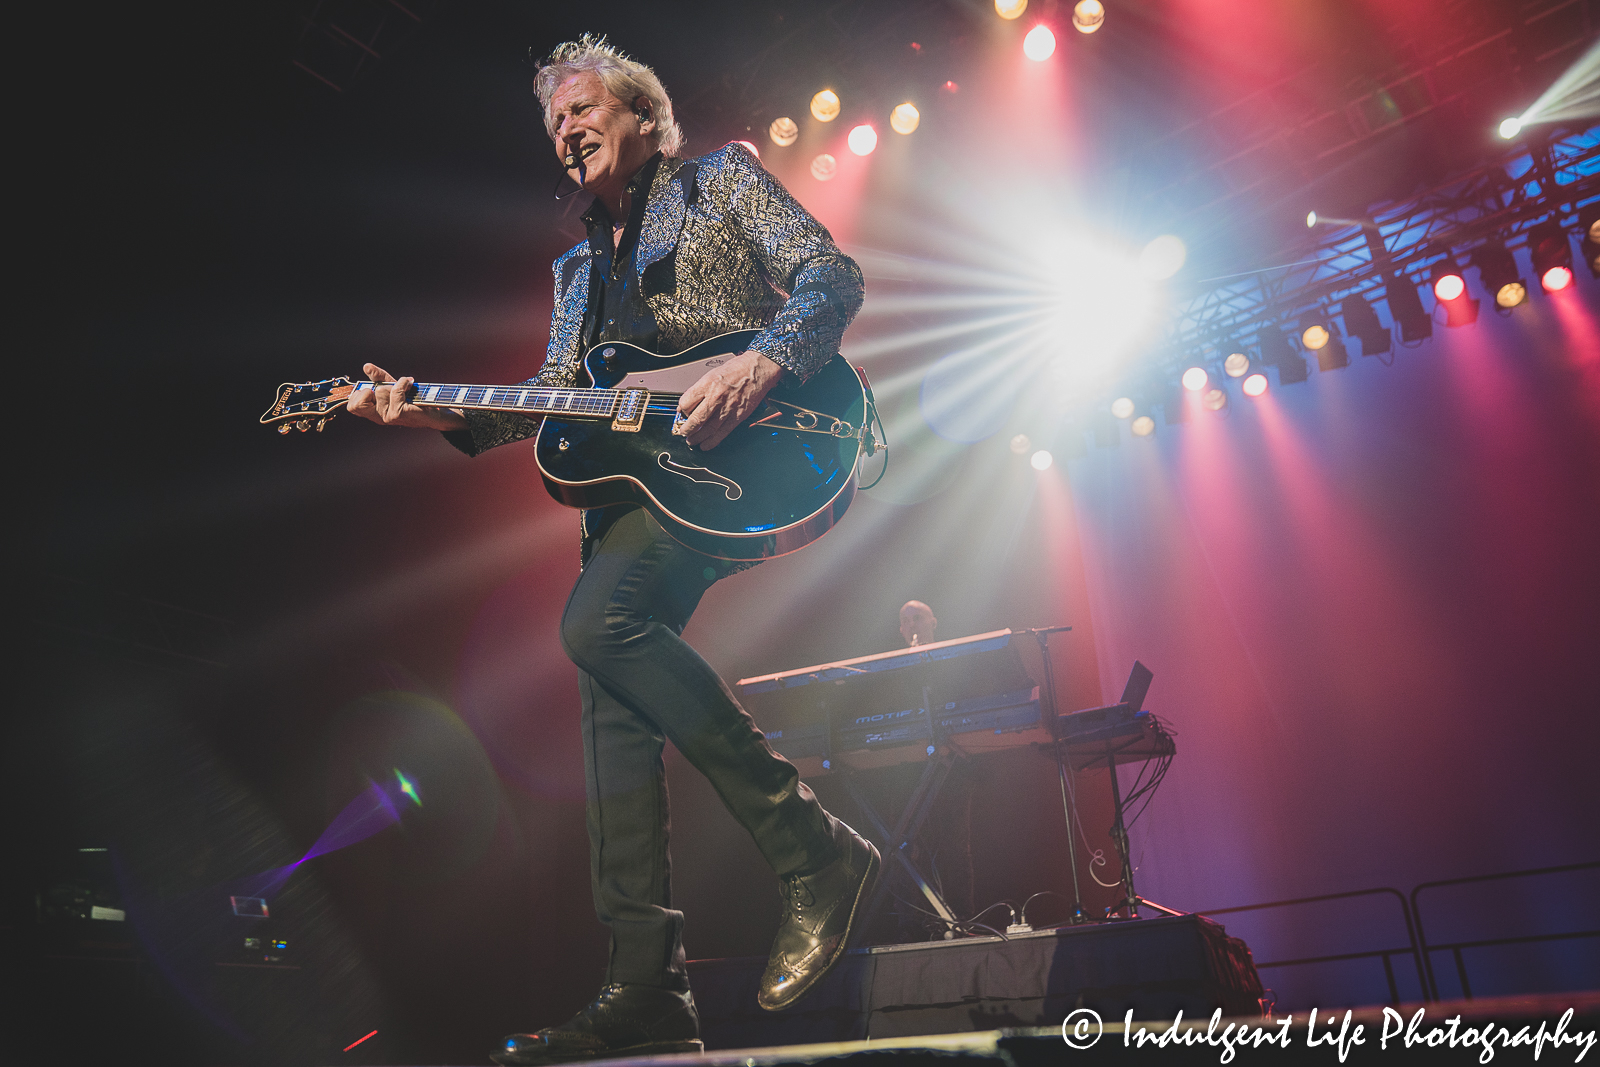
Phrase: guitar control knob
pixel 563 444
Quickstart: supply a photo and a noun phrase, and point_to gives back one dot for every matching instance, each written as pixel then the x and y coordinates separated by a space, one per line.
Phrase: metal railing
pixel 1386 954
pixel 1455 947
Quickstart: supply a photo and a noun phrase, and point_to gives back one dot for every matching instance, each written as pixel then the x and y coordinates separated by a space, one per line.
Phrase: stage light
pixel 1361 321
pixel 1311 219
pixel 824 167
pixel 1041 460
pixel 1333 355
pixel 1447 282
pixel 1406 306
pixel 1313 334
pixel 1552 255
pixel 951 87
pixel 1236 364
pixel 1509 128
pixel 825 106
pixel 783 132
pixel 1589 229
pixel 1162 257
pixel 1088 15
pixel 1040 44
pixel 1143 426
pixel 863 139
pixel 754 151
pixel 1195 378
pixel 1214 399
pixel 904 119
pixel 1275 352
pixel 1010 9
pixel 1255 385
pixel 1020 443
pixel 1122 407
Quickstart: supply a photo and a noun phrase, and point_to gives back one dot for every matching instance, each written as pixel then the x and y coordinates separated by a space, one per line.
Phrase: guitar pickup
pixel 631 406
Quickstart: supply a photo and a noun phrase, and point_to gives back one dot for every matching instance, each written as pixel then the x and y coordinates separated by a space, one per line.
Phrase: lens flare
pixel 784 132
pixel 1163 257
pixel 1041 460
pixel 1255 385
pixel 1122 407
pixel 1449 287
pixel 863 139
pixel 1143 426
pixel 1040 44
pixel 825 106
pixel 1088 15
pixel 1020 443
pixel 824 167
pixel 1195 378
pixel 904 118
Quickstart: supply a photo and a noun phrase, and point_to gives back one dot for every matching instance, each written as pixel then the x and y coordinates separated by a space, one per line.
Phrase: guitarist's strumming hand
pixel 385 404
pixel 726 396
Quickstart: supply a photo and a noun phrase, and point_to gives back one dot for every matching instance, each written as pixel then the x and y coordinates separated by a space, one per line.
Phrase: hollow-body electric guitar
pixel 779 481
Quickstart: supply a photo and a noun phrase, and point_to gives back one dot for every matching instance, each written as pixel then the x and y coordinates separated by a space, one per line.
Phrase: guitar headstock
pixel 307 404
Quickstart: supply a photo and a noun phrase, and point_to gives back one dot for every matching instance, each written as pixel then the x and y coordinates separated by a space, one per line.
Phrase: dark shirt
pixel 617 310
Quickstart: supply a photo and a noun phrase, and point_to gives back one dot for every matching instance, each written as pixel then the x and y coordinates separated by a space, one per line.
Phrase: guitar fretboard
pixel 538 400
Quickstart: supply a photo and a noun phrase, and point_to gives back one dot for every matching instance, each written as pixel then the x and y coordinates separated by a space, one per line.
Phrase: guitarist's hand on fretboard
pixel 725 396
pixel 385 404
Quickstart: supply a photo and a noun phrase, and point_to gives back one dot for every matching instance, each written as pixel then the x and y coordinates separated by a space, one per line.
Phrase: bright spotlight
pixel 1010 9
pixel 1040 44
pixel 1552 255
pixel 1511 294
pixel 1088 15
pixel 1195 378
pixel 1041 460
pixel 1449 286
pixel 824 167
pixel 1236 364
pixel 1509 128
pixel 1311 219
pixel 1255 385
pixel 1122 407
pixel 1497 270
pixel 904 118
pixel 783 132
pixel 1143 426
pixel 1162 257
pixel 825 106
pixel 754 151
pixel 1020 443
pixel 1314 336
pixel 863 139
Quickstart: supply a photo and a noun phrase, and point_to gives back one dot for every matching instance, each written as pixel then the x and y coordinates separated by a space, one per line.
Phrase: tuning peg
pixel 321 423
pixel 283 427
pixel 303 425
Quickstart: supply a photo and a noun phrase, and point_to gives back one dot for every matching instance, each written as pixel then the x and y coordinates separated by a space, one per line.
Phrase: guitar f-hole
pixel 731 489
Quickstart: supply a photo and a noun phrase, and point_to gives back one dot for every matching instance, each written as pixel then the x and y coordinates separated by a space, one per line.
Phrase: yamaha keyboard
pixel 970 693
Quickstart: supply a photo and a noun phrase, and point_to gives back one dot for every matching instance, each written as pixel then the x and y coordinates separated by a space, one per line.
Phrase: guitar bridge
pixel 631 406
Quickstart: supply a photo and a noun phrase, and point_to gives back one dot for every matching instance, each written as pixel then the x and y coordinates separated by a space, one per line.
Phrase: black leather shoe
pixel 624 1020
pixel 819 911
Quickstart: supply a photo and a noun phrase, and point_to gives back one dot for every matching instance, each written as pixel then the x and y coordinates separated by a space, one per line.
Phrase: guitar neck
pixel 599 404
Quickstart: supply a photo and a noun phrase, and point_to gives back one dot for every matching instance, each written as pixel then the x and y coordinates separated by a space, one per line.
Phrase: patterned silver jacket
pixel 723 247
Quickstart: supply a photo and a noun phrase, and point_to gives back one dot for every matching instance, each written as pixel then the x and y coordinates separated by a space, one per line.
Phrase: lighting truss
pixel 1398 243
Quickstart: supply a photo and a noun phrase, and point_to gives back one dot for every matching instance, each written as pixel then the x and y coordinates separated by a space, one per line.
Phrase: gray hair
pixel 623 77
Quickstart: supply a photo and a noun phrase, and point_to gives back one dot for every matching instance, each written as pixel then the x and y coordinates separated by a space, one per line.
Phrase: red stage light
pixel 1255 385
pixel 1556 278
pixel 1194 379
pixel 1449 287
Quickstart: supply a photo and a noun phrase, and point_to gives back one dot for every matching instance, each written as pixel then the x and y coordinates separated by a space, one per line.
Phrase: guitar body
pixel 765 491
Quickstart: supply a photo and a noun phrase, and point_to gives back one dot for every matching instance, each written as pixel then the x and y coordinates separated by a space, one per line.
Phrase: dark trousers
pixel 642 686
